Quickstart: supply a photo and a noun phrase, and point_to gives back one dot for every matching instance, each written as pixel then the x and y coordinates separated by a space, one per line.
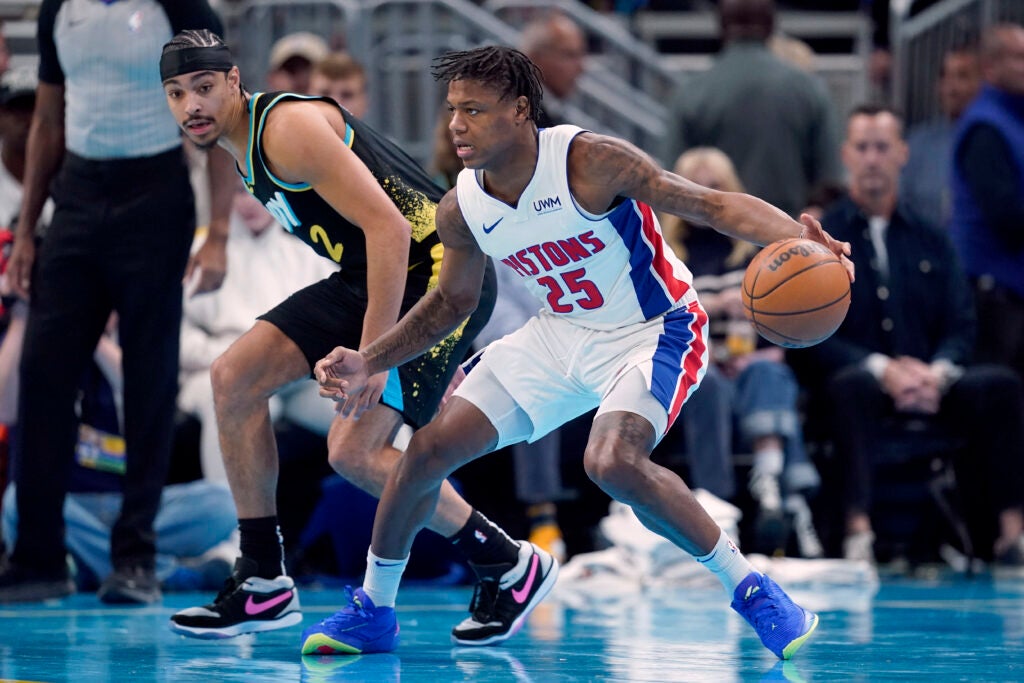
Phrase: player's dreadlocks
pixel 505 69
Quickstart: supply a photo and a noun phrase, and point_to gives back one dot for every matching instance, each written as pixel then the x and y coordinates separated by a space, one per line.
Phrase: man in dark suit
pixel 904 348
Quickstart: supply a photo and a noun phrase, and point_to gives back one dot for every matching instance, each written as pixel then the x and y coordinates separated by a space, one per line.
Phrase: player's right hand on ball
pixel 813 231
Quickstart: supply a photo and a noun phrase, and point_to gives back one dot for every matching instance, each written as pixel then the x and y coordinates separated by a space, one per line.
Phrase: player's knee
pixel 224 378
pixel 424 460
pixel 353 462
pixel 343 461
pixel 615 473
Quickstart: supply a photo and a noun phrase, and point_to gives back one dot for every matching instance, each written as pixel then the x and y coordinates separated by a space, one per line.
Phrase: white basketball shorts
pixel 551 370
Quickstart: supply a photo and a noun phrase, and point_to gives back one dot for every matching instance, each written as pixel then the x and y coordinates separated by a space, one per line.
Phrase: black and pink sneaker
pixel 505 595
pixel 246 604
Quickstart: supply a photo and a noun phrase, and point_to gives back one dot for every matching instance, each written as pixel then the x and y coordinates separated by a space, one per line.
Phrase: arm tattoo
pixel 432 319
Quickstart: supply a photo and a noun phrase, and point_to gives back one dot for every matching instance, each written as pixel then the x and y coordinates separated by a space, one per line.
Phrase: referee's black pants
pixel 119 241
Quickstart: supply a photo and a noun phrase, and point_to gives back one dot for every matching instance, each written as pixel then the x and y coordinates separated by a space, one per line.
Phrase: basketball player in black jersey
pixel 357 199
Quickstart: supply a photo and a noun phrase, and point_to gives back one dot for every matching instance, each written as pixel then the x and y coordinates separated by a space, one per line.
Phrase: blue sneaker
pixel 782 625
pixel 358 628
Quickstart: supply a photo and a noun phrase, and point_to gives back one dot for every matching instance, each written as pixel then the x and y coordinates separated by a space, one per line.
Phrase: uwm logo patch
pixel 547 205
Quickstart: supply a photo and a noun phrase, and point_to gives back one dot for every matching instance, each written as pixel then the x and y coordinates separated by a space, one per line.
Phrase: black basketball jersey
pixel 303 212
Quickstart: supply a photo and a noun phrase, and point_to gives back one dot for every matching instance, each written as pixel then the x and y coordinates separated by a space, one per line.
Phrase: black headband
pixel 176 62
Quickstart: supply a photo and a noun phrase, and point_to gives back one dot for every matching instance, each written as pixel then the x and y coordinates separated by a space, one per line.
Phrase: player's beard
pixel 206 146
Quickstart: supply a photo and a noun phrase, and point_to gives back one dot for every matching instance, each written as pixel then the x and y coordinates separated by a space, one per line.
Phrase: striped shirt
pixel 106 54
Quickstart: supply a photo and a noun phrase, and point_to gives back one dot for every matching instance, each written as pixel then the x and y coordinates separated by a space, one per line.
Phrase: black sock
pixel 484 543
pixel 262 542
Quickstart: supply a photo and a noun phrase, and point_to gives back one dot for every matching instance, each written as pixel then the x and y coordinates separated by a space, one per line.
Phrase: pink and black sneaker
pixel 505 595
pixel 246 604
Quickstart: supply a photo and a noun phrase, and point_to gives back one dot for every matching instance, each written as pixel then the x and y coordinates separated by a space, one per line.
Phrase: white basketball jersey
pixel 601 271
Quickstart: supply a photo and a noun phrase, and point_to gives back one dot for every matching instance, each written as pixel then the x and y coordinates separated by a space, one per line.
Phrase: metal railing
pixel 920 42
pixel 626 83
pixel 621 92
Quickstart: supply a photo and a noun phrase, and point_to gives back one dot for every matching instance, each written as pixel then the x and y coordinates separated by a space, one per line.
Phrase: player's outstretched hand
pixel 342 376
pixel 813 231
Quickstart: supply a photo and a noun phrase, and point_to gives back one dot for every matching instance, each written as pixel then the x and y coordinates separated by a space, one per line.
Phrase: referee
pixel 104 146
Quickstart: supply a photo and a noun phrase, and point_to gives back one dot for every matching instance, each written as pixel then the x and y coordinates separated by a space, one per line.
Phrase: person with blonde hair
pixel 747 384
pixel 341 77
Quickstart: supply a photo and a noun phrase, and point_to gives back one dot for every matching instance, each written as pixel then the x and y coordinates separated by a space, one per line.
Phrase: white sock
pixel 727 563
pixel 382 578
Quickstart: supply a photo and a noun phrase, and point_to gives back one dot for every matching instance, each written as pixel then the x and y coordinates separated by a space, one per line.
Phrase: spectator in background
pixel 445 164
pixel 880 62
pixel 903 349
pixel 556 44
pixel 988 197
pixel 342 78
pixel 192 518
pixel 290 67
pixel 119 240
pixel 265 265
pixel 5 52
pixel 925 181
pixel 747 384
pixel 17 98
pixel 773 120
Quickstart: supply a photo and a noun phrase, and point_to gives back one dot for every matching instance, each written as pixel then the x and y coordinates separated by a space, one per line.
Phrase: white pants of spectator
pixel 192 519
pixel 299 402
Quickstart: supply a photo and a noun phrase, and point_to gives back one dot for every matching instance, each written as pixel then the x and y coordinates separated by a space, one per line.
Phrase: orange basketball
pixel 796 293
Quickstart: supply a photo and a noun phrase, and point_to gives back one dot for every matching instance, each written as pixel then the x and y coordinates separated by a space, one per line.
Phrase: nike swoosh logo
pixel 252 607
pixel 523 593
pixel 487 231
pixel 386 564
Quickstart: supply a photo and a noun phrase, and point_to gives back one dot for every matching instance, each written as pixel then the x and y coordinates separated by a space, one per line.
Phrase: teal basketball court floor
pixel 948 629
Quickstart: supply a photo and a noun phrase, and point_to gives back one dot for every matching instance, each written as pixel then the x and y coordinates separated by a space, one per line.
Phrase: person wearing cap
pixel 119 240
pixel 292 57
pixel 17 97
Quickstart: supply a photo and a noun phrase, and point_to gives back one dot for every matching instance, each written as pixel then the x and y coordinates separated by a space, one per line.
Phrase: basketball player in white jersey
pixel 621 329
